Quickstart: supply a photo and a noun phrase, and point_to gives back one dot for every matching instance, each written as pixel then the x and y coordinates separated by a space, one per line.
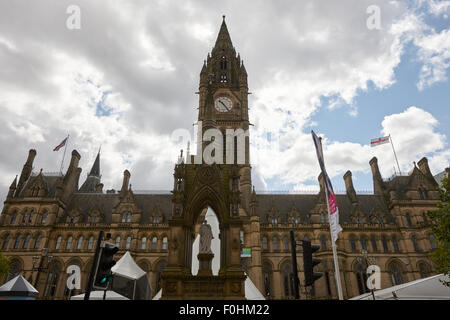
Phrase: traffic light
pixel 309 262
pixel 105 263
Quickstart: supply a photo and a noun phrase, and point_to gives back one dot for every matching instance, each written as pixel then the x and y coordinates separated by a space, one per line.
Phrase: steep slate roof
pixel 304 203
pixel 84 203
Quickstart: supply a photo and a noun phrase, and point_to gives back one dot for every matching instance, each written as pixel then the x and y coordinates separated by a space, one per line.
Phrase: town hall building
pixel 51 221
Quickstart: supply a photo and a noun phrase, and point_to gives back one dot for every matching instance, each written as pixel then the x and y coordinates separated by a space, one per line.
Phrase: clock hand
pixel 224 105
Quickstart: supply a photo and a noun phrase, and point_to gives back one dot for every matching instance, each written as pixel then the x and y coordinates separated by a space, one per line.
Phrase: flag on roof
pixel 378 141
pixel 62 144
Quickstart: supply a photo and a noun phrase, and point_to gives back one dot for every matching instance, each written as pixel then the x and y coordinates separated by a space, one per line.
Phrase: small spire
pixel 223 18
pixel 14 183
pixel 95 170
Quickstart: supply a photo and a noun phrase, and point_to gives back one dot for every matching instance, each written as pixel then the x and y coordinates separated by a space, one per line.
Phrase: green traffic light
pixel 104 280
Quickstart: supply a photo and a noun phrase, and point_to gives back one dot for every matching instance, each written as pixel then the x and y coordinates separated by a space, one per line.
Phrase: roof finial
pixel 223 18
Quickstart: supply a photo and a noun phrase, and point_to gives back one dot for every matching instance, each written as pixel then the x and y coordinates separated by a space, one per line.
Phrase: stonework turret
pixel 26 171
pixel 376 175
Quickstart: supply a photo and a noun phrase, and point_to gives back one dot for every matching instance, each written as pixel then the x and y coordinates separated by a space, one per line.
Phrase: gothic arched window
pixel 27 240
pixel 52 281
pixel 144 243
pixel 363 243
pixel 6 242
pixel 118 242
pixel 30 217
pixel 25 216
pixel 37 243
pixel 80 243
pixel 14 270
pixel 288 281
pixel 44 217
pixel 267 277
pixel 374 243
pixel 424 270
pixel 17 242
pixel 395 244
pixel 395 273
pixel 124 217
pixel 69 243
pixel 353 243
pixel 90 242
pixel 264 243
pixel 385 243
pixel 286 243
pixel 128 243
pixel 154 243
pixel 275 243
pixel 164 244
pixel 14 216
pixel 58 242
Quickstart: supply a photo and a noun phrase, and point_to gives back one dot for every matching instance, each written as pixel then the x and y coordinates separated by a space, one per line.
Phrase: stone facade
pixel 48 222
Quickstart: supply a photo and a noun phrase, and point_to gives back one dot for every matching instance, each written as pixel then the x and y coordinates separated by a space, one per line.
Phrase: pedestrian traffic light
pixel 106 261
pixel 309 262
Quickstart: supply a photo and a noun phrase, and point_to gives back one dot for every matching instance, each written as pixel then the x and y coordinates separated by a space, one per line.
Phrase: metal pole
pixel 333 244
pixel 395 155
pixel 294 264
pixel 89 284
pixel 65 147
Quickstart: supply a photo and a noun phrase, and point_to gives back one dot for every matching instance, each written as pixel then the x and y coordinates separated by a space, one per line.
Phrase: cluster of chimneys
pixel 73 173
pixel 377 179
pixel 70 178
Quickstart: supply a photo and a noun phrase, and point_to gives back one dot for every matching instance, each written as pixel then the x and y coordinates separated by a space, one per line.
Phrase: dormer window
pixel 126 217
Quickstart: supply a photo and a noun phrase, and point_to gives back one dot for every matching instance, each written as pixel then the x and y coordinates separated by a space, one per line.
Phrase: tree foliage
pixel 4 265
pixel 441 230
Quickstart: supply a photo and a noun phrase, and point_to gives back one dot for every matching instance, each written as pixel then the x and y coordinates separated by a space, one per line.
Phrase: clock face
pixel 223 104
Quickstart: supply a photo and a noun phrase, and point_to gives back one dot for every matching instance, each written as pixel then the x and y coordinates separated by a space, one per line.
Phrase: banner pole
pixel 395 155
pixel 337 273
pixel 64 155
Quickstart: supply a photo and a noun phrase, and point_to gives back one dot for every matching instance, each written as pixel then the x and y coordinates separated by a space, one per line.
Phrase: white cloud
pixel 141 61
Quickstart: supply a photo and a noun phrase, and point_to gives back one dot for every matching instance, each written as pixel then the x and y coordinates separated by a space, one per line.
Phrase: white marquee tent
pixel 130 280
pixel 423 289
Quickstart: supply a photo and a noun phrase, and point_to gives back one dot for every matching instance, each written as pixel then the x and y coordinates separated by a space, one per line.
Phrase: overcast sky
pixel 126 81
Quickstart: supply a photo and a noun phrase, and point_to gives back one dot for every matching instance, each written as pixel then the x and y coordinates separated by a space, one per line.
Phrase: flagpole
pixel 395 155
pixel 65 147
pixel 337 273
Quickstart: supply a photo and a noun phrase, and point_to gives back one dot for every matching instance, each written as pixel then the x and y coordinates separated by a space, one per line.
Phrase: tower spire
pixel 223 40
pixel 93 178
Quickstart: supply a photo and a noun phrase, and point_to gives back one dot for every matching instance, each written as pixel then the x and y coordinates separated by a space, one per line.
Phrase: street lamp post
pixel 368 261
pixel 41 264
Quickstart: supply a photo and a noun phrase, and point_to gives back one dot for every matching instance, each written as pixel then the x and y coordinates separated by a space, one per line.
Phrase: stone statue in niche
pixel 205 238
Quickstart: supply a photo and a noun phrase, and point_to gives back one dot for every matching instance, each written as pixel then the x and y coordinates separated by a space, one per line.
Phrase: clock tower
pixel 223 94
pixel 223 184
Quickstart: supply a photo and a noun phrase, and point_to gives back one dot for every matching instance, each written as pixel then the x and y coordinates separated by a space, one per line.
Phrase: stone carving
pixel 205 238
